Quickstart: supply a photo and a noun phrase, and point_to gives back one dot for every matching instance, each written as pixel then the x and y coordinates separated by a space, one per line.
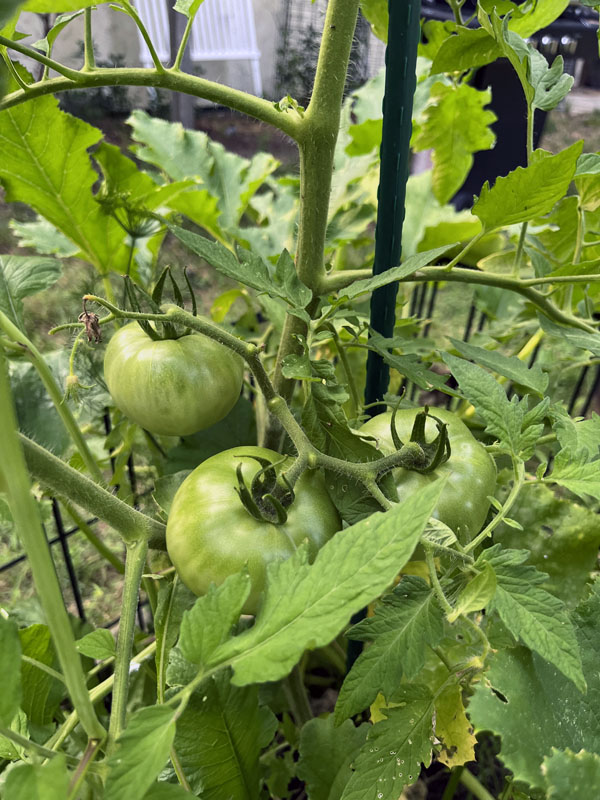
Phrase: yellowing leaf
pixel 454 729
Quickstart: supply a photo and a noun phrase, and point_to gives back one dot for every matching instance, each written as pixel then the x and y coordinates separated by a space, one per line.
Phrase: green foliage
pixel 521 691
pixel 495 631
pixel 453 155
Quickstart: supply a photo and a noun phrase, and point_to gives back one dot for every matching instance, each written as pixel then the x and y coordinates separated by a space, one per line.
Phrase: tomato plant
pixel 315 696
pixel 471 473
pixel 171 386
pixel 210 534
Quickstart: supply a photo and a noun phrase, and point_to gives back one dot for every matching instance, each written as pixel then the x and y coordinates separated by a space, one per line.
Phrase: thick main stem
pixel 317 138
pixel 27 520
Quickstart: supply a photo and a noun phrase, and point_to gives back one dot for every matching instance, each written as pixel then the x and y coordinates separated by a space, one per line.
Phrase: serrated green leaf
pixel 537 698
pixel 570 774
pixel 61 21
pixel 10 669
pixel 459 109
pixel 476 595
pixel 528 20
pixel 326 755
pixel 57 182
pixel 37 782
pixel 306 606
pixel 577 471
pixel 165 489
pixel 98 644
pixel 395 748
pixel 207 624
pixel 407 268
pixel 405 624
pixel 527 192
pixel 23 276
pixel 247 267
pixel 219 739
pixel 510 367
pixel 539 619
pixel 140 753
pixel 574 336
pixel 182 155
pixel 489 398
pixel 467 49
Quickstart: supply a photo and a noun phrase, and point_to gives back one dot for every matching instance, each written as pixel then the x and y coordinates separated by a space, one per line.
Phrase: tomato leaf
pixel 571 774
pixel 306 606
pixel 407 268
pixel 539 619
pixel 527 192
pixel 524 692
pixel 395 748
pixel 453 728
pixel 467 49
pixel 509 367
pixel 10 668
pixel 326 755
pixel 210 620
pixel 459 108
pixel 37 782
pixel 219 739
pixel 405 624
pixel 99 644
pixel 23 276
pixel 42 693
pixel 140 754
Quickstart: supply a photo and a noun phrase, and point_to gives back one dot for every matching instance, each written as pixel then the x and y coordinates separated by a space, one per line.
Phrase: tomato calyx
pixel 266 499
pixel 160 330
pixel 420 455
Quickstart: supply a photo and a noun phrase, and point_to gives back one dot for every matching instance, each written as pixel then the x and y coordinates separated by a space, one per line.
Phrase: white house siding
pixel 115 34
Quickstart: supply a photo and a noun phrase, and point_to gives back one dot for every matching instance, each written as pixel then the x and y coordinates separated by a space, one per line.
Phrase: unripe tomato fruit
pixel 172 387
pixel 463 504
pixel 211 535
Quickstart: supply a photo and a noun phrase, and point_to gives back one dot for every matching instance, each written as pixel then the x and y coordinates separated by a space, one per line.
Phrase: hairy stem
pixel 287 122
pixel 65 481
pixel 134 567
pixel 88 52
pixel 518 481
pixel 318 131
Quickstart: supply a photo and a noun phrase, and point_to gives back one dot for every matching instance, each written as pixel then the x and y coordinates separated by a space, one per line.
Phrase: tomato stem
pixel 135 562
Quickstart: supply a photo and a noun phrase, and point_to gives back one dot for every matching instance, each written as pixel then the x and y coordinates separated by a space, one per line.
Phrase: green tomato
pixel 471 471
pixel 211 535
pixel 172 387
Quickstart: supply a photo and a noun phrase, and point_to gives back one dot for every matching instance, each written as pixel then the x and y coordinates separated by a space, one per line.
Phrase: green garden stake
pixel 400 82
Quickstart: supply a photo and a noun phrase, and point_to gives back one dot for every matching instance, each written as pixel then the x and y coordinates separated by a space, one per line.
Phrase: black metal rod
pixel 64 543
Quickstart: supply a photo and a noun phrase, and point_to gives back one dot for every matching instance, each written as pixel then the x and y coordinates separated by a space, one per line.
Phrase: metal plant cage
pixel 423 302
pixel 301 24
